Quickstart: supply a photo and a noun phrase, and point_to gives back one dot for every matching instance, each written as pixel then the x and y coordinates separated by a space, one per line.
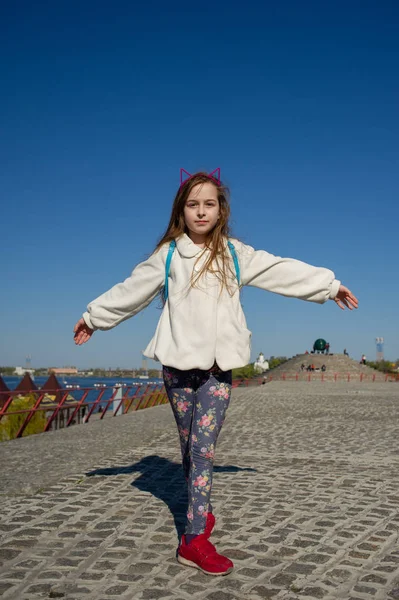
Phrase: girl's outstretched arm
pixel 290 277
pixel 126 299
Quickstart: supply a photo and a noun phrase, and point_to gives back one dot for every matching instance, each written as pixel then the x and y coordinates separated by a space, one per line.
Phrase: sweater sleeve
pixel 286 276
pixel 126 299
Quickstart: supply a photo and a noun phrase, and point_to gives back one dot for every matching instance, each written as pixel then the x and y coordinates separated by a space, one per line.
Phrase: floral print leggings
pixel 199 401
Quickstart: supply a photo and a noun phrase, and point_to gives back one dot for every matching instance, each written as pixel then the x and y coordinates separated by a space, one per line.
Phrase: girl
pixel 202 334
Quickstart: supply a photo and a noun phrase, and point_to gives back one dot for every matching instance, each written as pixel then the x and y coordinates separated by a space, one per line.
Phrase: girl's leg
pixel 178 385
pixel 213 397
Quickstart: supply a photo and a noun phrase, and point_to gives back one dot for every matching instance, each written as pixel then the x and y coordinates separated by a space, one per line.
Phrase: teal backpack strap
pixel 235 260
pixel 172 247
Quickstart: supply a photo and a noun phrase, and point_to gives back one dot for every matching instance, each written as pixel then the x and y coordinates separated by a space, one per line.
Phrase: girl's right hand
pixel 82 332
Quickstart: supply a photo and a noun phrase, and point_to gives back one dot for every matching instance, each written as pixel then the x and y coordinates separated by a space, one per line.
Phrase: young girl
pixel 202 334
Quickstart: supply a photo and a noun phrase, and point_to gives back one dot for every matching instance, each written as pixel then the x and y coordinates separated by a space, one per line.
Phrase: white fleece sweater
pixel 199 325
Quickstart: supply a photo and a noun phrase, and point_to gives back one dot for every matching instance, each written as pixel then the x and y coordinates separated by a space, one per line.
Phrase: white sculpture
pixel 261 364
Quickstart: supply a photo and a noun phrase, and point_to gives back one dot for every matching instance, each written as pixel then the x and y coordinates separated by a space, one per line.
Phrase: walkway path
pixel 306 495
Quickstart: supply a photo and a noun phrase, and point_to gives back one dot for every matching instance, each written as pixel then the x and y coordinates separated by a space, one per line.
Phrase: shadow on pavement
pixel 163 479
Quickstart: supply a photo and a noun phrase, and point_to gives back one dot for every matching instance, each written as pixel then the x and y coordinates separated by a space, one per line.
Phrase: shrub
pixel 10 424
pixel 385 366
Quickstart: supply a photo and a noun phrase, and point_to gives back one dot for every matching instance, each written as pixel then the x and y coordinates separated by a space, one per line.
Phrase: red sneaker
pixel 210 524
pixel 202 555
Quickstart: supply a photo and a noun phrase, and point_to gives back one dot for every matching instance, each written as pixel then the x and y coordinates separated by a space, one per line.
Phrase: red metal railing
pixel 82 408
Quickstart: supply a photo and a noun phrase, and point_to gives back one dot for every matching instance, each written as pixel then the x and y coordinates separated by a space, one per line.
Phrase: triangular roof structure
pixel 53 388
pixel 26 384
pixel 52 384
pixel 3 392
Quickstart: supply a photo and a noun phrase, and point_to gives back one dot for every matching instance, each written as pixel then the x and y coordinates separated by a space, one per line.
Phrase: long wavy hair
pixel 219 260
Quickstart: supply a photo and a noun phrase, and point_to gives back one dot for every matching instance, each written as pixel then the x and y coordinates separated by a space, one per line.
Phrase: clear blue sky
pixel 103 102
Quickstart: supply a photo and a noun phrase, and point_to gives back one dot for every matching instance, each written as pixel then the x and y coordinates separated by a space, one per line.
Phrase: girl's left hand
pixel 346 298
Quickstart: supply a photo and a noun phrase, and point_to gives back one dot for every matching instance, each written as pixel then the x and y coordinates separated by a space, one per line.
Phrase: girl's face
pixel 201 211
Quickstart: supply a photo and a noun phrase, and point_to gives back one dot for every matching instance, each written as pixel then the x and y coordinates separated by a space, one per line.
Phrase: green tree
pixel 275 361
pixel 153 373
pixel 7 371
pixel 244 372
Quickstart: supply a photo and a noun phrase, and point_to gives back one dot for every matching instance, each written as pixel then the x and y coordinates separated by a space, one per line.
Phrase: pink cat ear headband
pixel 215 178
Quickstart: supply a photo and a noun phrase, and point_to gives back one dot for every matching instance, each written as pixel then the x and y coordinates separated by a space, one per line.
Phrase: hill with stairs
pixel 338 367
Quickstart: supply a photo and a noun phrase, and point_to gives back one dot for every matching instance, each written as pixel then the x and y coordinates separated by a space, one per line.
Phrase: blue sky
pixel 297 102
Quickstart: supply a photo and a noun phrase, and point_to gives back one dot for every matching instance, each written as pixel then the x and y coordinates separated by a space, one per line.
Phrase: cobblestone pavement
pixel 306 496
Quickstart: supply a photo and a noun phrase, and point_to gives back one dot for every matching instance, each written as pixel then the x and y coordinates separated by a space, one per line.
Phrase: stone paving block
pixel 220 595
pixel 372 578
pixel 262 592
pixel 250 572
pixel 154 594
pixel 91 576
pixel 300 569
pixel 116 590
pixel 39 588
pixel 51 575
pixel 5 586
pixel 283 580
pixel 237 554
pixel 364 589
pixel 314 592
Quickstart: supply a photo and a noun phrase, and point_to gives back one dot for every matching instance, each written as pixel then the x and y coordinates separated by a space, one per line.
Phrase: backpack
pixel 172 247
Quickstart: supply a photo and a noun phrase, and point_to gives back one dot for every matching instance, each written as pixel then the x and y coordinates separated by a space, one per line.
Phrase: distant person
pixel 323 368
pixel 345 352
pixel 202 335
pixel 363 359
pixel 327 348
